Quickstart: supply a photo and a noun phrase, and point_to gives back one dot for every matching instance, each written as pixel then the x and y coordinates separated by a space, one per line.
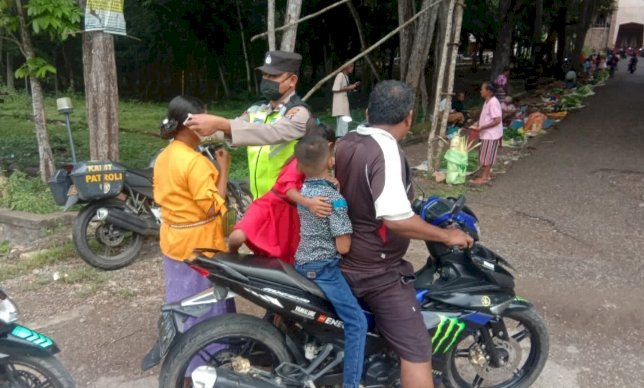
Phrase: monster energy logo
pixel 31 336
pixel 447 333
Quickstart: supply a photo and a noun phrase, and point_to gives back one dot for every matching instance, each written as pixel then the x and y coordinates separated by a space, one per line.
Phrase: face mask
pixel 270 89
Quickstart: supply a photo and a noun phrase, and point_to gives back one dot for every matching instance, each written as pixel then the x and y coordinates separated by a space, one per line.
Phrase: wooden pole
pixel 434 131
pixel 454 39
pixel 243 39
pixel 363 43
pixel 370 49
pixel 270 25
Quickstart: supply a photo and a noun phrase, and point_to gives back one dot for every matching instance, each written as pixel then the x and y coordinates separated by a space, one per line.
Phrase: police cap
pixel 278 62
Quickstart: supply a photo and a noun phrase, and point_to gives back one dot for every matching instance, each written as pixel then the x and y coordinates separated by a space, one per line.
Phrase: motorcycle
pixel 482 333
pixel 27 358
pixel 120 210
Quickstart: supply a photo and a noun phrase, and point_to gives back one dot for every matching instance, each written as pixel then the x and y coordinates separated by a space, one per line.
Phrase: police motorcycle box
pixel 90 181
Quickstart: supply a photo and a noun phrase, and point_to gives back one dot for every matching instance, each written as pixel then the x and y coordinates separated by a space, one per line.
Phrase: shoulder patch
pixel 291 113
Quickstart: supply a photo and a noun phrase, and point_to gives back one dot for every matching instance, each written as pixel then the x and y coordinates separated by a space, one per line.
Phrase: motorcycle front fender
pixel 26 342
pixel 518 304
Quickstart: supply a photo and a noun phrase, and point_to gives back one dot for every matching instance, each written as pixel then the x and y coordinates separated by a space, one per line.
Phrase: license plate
pixel 32 336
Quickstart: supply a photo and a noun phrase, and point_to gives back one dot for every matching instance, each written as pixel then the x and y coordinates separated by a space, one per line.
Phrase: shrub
pixel 23 193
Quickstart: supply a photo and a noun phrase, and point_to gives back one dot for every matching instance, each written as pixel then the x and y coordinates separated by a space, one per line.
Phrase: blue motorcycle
pixel 482 333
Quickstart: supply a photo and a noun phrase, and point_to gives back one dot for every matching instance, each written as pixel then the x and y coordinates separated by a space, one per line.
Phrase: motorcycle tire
pixel 82 244
pixel 533 365
pixel 50 368
pixel 231 326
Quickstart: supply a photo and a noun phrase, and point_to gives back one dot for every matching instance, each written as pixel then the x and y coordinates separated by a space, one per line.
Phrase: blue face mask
pixel 270 89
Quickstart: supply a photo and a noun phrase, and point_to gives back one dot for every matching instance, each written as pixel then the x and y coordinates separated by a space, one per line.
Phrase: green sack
pixel 456 167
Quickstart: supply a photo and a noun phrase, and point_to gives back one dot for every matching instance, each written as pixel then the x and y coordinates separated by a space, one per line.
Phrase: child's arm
pixel 343 244
pixel 317 205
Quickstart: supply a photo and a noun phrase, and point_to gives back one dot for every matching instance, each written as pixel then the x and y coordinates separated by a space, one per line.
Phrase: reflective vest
pixel 265 162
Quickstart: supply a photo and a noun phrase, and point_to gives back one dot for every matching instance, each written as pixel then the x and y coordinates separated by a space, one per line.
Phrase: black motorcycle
pixel 482 333
pixel 27 358
pixel 120 210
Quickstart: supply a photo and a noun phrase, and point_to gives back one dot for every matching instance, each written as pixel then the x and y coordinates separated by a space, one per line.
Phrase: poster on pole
pixel 106 16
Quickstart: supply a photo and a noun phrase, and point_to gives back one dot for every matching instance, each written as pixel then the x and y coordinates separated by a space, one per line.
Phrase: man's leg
pixel 416 374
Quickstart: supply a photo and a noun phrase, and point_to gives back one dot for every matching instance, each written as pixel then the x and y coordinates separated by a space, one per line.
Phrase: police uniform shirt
pixel 290 126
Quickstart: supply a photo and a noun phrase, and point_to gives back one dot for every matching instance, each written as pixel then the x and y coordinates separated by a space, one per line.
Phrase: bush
pixel 22 193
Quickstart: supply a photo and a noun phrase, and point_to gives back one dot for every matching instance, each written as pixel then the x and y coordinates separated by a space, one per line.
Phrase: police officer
pixel 270 129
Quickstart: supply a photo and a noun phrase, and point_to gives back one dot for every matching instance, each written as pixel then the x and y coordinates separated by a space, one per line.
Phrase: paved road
pixel 571 218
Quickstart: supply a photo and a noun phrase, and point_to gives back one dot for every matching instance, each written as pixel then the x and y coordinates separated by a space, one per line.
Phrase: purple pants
pixel 182 282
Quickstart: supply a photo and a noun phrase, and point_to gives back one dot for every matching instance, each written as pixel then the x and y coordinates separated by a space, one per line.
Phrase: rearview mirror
pixel 458 204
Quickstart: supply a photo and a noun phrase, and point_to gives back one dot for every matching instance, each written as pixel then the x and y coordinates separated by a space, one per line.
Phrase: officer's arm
pixel 290 127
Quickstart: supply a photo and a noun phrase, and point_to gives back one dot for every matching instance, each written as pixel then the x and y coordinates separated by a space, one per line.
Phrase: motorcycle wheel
pixel 101 244
pixel 23 371
pixel 216 341
pixel 523 364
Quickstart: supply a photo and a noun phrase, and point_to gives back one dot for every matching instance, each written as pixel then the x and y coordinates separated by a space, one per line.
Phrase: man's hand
pixel 206 125
pixel 457 238
pixel 223 158
pixel 319 206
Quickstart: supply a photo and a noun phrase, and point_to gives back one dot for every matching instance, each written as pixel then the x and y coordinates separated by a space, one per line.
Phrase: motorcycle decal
pixel 32 336
pixel 521 299
pixel 486 301
pixel 330 321
pixel 306 313
pixel 267 298
pixel 285 295
pixel 446 329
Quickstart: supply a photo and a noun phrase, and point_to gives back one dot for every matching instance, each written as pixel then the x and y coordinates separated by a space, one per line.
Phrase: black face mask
pixel 270 89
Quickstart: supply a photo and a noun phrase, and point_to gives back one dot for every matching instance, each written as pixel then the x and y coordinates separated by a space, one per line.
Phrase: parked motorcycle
pixel 26 356
pixel 120 210
pixel 482 333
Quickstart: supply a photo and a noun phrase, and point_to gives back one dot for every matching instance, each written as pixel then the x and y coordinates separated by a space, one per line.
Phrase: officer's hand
pixel 203 124
pixel 319 206
pixel 223 158
pixel 457 238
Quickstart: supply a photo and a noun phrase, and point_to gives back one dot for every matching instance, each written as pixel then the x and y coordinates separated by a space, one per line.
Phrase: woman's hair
pixel 178 110
pixel 489 86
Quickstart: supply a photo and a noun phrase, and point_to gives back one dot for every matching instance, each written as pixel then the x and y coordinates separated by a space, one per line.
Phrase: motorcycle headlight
pixel 8 310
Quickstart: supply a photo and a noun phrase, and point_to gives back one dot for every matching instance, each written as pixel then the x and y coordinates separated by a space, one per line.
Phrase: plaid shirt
pixel 317 234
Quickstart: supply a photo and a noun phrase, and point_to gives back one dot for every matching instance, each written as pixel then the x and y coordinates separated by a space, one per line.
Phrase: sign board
pixel 106 16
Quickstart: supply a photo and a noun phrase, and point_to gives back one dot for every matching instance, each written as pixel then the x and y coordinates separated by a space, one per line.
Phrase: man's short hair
pixel 389 103
pixel 312 154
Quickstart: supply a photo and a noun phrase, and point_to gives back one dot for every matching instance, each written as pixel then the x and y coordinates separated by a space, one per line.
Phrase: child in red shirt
pixel 271 226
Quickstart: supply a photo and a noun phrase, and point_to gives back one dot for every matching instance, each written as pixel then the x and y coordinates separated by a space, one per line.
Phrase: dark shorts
pixel 396 310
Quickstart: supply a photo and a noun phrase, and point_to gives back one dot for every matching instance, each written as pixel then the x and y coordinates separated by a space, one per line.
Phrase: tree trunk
pixel 587 10
pixel 363 42
pixel 454 40
pixel 423 36
pixel 561 33
pixel 44 149
pixel 538 21
pixel 271 25
pixel 446 29
pixel 293 9
pixel 405 12
pixel 243 39
pixel 101 95
pixel 503 51
pixel 11 86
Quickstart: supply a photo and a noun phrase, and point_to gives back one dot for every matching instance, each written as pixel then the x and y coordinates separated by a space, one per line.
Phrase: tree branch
pixel 370 49
pixel 307 17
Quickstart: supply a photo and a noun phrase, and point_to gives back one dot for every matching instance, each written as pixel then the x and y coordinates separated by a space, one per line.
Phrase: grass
pixel 21 267
pixel 5 248
pixel 84 274
pixel 126 293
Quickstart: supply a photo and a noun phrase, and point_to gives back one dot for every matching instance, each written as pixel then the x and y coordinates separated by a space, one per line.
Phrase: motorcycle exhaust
pixel 211 377
pixel 128 221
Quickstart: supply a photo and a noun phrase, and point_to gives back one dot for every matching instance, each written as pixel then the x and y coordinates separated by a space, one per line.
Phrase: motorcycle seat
pixel 270 269
pixel 142 172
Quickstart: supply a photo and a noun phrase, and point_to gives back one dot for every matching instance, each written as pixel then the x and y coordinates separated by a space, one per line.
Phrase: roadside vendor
pixel 270 129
